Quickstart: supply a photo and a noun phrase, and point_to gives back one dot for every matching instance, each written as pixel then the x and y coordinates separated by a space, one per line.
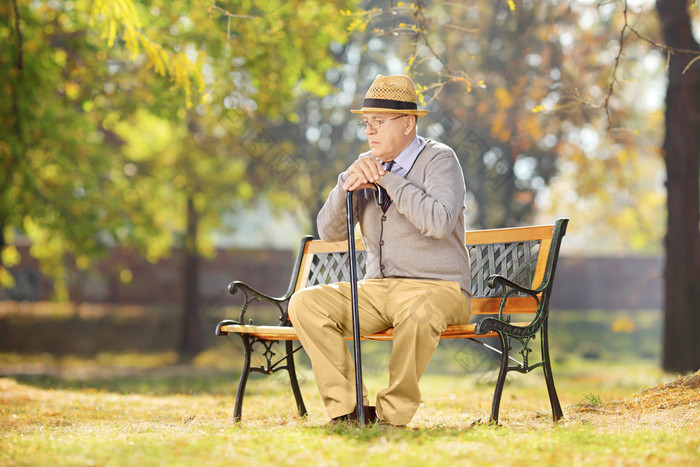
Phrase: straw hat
pixel 391 94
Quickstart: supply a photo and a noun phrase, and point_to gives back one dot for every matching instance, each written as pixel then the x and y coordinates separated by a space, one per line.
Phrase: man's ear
pixel 410 124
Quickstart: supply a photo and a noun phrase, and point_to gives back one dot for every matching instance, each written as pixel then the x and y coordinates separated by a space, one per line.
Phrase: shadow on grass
pixel 372 432
pixel 156 382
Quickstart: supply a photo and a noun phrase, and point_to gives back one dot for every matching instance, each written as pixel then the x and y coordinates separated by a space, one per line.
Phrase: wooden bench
pixel 512 275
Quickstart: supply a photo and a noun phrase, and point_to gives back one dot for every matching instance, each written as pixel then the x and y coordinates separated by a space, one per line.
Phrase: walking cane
pixel 355 311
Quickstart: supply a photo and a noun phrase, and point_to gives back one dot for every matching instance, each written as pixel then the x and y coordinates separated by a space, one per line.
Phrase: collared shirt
pixel 404 161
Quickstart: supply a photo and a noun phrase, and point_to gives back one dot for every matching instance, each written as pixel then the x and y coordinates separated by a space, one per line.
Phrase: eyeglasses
pixel 375 124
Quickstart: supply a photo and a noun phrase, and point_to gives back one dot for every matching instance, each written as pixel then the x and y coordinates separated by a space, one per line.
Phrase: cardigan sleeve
pixel 433 203
pixel 331 219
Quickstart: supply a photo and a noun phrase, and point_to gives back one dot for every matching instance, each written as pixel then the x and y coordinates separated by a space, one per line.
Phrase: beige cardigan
pixel 422 233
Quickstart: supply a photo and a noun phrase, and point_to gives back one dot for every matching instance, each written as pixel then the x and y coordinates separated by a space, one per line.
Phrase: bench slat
pixel 489 305
pixel 280 333
pixel 509 235
pixel 319 246
pixel 283 333
pixel 541 267
pixel 472 237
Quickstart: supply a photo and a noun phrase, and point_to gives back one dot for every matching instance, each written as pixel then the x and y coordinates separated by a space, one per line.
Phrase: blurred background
pixel 152 152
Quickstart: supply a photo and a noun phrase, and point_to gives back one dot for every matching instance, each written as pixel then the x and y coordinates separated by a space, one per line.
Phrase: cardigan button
pixel 381 242
pixel 383 218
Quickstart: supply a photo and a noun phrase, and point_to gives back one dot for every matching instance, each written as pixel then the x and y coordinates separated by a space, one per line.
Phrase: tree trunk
pixel 681 346
pixel 191 342
pixel 2 246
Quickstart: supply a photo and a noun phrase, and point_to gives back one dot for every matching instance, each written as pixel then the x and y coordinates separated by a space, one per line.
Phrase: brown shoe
pixel 369 412
pixel 341 421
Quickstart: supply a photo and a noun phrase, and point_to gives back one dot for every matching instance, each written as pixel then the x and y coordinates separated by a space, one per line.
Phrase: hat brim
pixel 383 110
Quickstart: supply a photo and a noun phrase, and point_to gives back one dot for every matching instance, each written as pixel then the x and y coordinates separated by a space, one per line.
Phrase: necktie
pixel 385 201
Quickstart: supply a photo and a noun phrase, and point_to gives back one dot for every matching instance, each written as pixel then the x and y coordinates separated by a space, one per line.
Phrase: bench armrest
pixel 495 280
pixel 500 324
pixel 251 295
pixel 249 291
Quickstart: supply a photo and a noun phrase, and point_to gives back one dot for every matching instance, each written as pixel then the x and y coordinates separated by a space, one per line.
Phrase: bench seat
pixel 288 333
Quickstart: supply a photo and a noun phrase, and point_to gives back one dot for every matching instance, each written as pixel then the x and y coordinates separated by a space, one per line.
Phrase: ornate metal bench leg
pixel 500 382
pixel 291 368
pixel 548 376
pixel 240 392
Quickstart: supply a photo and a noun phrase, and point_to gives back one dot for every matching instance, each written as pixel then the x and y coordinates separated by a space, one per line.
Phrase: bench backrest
pixel 525 255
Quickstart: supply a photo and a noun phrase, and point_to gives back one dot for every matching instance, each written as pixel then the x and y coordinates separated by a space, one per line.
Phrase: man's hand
pixel 364 173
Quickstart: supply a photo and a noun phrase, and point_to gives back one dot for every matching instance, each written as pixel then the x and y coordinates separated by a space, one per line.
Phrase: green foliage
pixel 51 179
pixel 113 17
pixel 124 110
pixel 520 90
pixel 115 113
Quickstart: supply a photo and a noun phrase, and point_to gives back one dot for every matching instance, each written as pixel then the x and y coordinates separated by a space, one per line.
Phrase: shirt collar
pixel 409 155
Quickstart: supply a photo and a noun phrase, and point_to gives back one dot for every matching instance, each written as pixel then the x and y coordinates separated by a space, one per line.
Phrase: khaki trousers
pixel 418 310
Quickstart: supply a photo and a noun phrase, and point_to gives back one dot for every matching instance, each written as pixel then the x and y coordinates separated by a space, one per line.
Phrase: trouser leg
pixel 322 318
pixel 419 311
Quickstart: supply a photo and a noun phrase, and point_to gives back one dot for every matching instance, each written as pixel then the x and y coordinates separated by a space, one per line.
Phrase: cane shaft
pixel 355 310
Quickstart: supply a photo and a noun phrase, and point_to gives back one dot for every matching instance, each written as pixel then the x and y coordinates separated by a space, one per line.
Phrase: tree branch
pixel 448 75
pixel 613 78
pixel 666 48
pixel 16 89
pixel 223 12
pixel 20 46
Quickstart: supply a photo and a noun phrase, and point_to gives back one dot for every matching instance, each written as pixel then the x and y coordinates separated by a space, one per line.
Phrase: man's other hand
pixel 364 173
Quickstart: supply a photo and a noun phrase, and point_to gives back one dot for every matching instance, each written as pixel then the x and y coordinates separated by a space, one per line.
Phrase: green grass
pixel 183 417
pixel 118 408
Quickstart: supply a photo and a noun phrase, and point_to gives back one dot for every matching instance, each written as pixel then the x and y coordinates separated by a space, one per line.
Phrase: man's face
pixel 390 138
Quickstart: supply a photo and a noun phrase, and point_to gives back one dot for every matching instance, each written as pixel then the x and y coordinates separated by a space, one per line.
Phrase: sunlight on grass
pixel 91 426
pixel 125 407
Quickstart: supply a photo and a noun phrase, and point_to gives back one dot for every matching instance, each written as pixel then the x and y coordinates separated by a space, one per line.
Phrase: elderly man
pixel 409 201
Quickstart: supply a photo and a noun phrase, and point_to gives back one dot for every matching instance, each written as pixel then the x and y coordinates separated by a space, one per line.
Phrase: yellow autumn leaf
pixel 82 262
pixel 505 100
pixel 627 218
pixel 72 90
pixel 625 325
pixel 10 256
pixel 126 276
pixel 6 279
